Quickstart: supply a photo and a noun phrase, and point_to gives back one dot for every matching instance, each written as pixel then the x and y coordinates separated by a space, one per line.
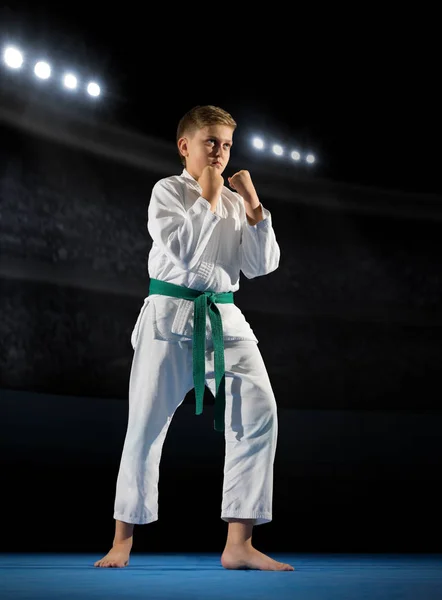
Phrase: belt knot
pixel 211 297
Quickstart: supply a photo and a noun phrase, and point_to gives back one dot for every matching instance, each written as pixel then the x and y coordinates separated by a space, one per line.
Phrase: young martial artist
pixel 190 333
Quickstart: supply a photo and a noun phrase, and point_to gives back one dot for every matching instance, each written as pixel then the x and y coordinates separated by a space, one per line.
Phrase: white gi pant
pixel 160 378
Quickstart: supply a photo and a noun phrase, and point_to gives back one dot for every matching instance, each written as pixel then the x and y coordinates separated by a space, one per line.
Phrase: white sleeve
pixel 182 235
pixel 259 250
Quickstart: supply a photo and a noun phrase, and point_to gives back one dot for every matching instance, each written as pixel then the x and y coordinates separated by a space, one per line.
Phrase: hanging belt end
pixel 219 427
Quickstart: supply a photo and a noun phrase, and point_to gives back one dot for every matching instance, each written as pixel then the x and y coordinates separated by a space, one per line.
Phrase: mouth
pixel 216 163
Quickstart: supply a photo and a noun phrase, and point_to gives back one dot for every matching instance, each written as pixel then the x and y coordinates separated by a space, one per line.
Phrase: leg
pixel 160 378
pixel 251 436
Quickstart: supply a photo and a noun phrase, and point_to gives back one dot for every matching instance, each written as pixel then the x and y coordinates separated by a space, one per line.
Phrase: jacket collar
pixel 190 178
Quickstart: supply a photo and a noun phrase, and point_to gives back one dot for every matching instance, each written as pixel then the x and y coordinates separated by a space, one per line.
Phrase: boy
pixel 203 235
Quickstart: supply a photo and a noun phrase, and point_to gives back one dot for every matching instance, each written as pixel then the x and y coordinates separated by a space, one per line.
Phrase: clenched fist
pixel 211 183
pixel 242 183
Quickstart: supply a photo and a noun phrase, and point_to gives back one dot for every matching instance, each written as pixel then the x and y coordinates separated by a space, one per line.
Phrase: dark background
pixel 358 88
pixel 349 325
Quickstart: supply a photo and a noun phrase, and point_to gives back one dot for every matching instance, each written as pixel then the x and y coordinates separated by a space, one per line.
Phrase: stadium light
pixel 42 70
pixel 13 57
pixel 277 149
pixel 93 89
pixel 70 81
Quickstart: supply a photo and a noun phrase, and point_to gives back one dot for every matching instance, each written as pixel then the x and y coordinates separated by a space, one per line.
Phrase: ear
pixel 183 147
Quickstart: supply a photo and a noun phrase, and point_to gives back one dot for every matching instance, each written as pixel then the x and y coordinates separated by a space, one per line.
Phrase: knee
pixel 254 416
pixel 267 421
pixel 271 415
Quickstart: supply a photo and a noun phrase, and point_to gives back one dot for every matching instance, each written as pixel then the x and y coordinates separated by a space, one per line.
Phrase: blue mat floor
pixel 201 577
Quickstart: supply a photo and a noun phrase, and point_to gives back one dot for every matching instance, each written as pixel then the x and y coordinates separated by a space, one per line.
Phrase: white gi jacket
pixel 205 251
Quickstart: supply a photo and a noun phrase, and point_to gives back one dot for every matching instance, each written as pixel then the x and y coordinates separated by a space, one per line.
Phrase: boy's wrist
pixel 251 199
pixel 212 203
pixel 210 197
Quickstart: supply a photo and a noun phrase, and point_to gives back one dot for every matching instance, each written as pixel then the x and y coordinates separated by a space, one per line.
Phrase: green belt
pixel 201 301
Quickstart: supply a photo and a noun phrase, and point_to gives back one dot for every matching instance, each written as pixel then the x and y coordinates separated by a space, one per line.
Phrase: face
pixel 207 146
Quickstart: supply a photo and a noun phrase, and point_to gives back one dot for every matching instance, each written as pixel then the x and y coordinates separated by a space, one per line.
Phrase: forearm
pixel 253 209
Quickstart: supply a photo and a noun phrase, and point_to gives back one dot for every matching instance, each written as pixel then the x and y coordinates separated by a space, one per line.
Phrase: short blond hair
pixel 202 116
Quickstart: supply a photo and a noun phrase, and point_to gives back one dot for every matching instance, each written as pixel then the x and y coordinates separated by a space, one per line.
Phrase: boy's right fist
pixel 211 183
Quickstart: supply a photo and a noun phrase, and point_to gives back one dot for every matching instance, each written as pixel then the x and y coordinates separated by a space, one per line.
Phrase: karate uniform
pixel 201 253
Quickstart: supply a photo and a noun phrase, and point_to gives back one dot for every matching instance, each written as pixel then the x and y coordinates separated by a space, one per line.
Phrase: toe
pixel 285 567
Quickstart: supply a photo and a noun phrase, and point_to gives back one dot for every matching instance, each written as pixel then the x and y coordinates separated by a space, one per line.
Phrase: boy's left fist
pixel 242 183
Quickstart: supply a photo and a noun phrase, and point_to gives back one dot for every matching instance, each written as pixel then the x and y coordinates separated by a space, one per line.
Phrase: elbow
pixel 272 268
pixel 251 273
pixel 274 263
pixel 179 255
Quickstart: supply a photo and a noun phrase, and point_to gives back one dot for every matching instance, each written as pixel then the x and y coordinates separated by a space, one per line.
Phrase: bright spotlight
pixel 277 149
pixel 258 143
pixel 310 158
pixel 295 155
pixel 93 89
pixel 70 81
pixel 42 70
pixel 13 57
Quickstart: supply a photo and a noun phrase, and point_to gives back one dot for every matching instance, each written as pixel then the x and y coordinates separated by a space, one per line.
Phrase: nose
pixel 221 153
pixel 219 150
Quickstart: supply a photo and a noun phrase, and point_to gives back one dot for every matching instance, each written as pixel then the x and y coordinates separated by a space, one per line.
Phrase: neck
pixel 192 173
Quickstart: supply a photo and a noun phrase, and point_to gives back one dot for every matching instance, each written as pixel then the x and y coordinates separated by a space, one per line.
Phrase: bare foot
pixel 247 557
pixel 118 556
